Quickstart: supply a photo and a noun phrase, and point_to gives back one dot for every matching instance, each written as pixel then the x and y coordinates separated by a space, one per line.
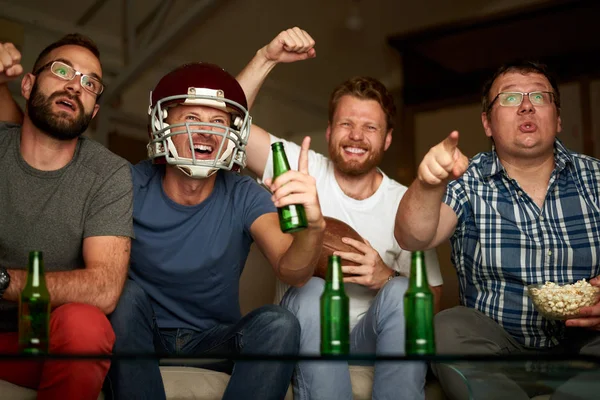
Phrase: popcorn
pixel 562 302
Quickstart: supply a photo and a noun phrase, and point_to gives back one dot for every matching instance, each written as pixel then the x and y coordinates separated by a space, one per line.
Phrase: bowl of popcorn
pixel 562 302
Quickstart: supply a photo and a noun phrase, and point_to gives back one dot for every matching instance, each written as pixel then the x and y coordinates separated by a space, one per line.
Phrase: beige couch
pixel 187 383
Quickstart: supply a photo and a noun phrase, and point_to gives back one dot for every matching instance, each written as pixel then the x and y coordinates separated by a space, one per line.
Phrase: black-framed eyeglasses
pixel 66 72
pixel 514 99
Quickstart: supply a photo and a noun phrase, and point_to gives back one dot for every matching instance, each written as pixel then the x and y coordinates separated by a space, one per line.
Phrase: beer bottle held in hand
pixel 34 308
pixel 335 311
pixel 292 218
pixel 418 310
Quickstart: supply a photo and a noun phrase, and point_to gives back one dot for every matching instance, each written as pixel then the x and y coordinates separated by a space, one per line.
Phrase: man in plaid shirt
pixel 526 212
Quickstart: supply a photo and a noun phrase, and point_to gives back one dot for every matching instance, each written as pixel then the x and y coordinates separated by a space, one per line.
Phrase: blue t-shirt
pixel 189 259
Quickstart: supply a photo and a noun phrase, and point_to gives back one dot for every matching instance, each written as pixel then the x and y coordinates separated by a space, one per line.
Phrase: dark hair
pixel 71 39
pixel 365 88
pixel 74 39
pixel 524 67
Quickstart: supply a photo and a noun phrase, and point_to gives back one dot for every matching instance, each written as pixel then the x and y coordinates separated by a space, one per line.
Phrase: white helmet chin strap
pixel 196 171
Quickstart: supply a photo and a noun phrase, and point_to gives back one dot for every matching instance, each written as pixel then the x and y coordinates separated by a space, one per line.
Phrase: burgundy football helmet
pixel 199 84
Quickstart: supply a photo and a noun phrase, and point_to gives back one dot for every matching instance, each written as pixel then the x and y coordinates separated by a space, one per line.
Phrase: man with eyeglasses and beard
pixel 524 213
pixel 195 219
pixel 70 198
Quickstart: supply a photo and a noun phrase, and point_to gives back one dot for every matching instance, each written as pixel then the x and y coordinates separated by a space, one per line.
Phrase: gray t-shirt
pixel 53 211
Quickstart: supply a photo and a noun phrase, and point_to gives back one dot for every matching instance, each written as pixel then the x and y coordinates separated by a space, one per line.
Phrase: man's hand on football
pixel 371 270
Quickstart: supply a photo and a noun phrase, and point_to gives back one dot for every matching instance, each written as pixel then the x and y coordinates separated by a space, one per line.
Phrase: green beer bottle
pixel 292 218
pixel 34 308
pixel 335 311
pixel 418 309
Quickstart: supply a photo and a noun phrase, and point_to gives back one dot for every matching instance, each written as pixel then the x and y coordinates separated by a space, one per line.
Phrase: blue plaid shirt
pixel 503 241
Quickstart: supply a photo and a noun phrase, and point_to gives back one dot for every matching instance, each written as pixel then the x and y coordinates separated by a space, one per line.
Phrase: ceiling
pixel 458 57
pixel 140 40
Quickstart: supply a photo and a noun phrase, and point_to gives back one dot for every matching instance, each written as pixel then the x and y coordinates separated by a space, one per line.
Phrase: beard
pixel 354 167
pixel 39 109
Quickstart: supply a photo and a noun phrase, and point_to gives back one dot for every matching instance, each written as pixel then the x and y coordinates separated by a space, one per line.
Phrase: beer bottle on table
pixel 292 218
pixel 34 308
pixel 335 311
pixel 418 310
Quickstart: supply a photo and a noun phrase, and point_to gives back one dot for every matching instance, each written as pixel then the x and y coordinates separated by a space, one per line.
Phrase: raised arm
pixel 288 46
pixel 422 220
pixel 10 69
pixel 294 256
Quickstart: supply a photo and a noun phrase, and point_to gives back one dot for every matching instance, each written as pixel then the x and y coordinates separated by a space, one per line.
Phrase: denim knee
pixel 305 301
pixel 390 298
pixel 280 326
pixel 278 319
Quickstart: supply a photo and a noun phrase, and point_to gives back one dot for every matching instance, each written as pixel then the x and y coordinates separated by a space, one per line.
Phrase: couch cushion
pixel 10 391
pixel 182 383
pixel 14 392
pixel 362 381
pixel 191 383
pixel 187 383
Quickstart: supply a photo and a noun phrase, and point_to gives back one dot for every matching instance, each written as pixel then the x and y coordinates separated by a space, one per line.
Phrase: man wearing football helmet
pixel 216 145
pixel 194 222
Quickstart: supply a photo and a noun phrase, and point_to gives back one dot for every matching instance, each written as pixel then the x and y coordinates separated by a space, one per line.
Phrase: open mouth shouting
pixel 203 151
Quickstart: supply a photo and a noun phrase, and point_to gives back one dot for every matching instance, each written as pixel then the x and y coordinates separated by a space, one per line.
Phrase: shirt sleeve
pixel 454 197
pixel 110 212
pixel 257 202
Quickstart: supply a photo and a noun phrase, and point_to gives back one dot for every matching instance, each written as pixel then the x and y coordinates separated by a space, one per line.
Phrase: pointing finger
pixel 451 142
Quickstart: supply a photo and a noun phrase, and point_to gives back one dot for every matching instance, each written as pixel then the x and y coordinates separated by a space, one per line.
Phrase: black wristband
pixel 4 280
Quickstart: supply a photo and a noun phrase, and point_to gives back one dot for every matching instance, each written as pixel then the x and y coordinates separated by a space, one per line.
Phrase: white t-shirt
pixel 373 218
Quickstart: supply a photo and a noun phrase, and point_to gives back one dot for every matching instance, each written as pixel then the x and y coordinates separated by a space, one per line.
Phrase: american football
pixel 332 241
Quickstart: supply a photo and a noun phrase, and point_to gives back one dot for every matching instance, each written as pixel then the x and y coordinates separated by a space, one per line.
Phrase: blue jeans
pixel 269 330
pixel 380 331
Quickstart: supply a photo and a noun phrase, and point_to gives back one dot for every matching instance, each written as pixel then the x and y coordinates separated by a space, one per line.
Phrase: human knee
pixel 278 319
pixel 455 318
pixel 393 291
pixel 304 301
pixel 80 328
pixel 452 324
pixel 278 324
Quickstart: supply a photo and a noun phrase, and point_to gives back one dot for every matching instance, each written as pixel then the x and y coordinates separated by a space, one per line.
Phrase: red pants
pixel 75 328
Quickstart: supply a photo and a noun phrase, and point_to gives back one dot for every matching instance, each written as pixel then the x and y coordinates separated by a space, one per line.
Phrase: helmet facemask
pixel 198 84
pixel 230 152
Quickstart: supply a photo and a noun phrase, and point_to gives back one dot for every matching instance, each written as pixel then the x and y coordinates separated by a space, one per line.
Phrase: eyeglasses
pixel 66 72
pixel 514 99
